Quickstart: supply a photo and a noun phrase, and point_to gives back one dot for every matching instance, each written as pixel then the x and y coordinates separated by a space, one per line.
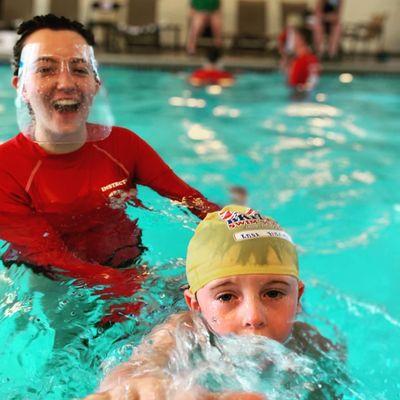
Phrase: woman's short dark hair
pixel 49 21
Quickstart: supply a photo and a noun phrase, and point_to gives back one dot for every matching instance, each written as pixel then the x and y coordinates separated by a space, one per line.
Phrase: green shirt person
pixel 203 14
pixel 206 5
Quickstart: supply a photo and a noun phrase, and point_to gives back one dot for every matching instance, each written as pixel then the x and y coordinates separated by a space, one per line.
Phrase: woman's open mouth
pixel 66 105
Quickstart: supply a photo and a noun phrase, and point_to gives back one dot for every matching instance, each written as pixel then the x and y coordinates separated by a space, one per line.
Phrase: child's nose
pixel 254 314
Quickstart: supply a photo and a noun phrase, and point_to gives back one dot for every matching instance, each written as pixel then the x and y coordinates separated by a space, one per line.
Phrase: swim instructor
pixel 65 179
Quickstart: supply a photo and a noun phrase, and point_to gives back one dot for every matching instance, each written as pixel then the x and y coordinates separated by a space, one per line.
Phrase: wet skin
pixel 263 305
pixel 59 85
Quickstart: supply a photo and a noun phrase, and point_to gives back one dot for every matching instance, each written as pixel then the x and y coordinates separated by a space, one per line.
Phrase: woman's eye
pixel 81 71
pixel 225 297
pixel 274 294
pixel 45 70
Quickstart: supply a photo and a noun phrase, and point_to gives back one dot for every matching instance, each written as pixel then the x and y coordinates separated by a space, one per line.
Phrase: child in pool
pixel 212 73
pixel 243 277
pixel 304 70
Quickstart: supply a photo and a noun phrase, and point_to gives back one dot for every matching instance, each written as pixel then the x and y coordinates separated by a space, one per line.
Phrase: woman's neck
pixel 60 148
pixel 60 143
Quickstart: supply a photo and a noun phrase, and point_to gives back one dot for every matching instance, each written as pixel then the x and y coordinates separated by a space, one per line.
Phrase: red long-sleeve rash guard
pixel 301 69
pixel 68 210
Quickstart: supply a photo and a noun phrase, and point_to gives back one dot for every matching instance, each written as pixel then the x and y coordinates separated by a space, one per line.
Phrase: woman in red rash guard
pixel 304 70
pixel 63 193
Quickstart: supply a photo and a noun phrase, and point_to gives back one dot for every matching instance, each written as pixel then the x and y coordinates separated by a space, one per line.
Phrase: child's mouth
pixel 66 105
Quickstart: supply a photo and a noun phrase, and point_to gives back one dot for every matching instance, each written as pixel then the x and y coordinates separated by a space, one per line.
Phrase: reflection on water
pixel 311 110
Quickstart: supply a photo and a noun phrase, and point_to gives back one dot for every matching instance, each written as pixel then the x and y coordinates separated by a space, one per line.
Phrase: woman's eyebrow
pixel 77 60
pixel 46 58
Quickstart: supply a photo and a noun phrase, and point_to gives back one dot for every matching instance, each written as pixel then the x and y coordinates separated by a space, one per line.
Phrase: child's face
pixel 263 305
pixel 298 40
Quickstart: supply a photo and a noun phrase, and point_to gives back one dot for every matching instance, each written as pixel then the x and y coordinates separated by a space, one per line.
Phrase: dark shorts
pixel 331 7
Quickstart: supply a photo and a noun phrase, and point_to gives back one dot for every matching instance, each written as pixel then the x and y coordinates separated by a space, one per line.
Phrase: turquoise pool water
pixel 328 169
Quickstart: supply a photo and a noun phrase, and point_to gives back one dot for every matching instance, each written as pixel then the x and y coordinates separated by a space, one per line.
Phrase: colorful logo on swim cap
pixel 234 219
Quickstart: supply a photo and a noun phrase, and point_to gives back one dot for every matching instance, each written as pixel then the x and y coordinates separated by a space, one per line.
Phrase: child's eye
pixel 274 294
pixel 225 297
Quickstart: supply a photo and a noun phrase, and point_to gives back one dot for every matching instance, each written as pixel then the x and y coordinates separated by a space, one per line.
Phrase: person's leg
pixel 216 26
pixel 334 39
pixel 319 36
pixel 198 22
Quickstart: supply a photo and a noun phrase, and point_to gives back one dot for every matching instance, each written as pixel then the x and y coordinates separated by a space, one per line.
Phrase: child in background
pixel 239 195
pixel 211 73
pixel 304 70
pixel 243 276
pixel 286 40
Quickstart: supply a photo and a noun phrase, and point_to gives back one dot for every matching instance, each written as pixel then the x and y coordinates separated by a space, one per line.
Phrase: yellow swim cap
pixel 238 241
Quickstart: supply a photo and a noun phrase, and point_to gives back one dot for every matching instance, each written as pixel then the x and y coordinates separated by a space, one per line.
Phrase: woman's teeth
pixel 66 105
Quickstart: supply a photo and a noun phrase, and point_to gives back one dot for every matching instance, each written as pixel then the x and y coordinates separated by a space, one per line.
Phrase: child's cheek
pixel 217 316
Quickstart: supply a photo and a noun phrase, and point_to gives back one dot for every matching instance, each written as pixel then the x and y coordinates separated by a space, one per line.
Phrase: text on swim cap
pixel 261 233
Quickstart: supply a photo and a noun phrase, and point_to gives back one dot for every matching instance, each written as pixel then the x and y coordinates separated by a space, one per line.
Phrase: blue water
pixel 327 169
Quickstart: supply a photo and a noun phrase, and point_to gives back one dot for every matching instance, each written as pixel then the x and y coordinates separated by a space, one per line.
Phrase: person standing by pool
pixel 204 12
pixel 327 22
pixel 65 182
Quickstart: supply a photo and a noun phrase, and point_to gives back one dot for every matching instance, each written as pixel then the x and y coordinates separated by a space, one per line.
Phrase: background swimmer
pixel 238 195
pixel 304 70
pixel 212 73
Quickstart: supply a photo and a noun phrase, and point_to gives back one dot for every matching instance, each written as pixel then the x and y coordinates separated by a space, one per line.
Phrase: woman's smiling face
pixel 58 82
pixel 257 304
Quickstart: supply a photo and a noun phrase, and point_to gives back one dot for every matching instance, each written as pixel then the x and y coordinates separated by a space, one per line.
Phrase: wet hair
pixel 48 21
pixel 214 54
pixel 238 189
pixel 306 34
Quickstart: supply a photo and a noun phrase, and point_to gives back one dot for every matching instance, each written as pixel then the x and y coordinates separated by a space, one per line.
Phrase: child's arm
pixel 142 377
pixel 183 396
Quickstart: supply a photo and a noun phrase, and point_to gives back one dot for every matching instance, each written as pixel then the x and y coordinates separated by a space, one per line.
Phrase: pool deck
pixel 176 61
pixel 179 60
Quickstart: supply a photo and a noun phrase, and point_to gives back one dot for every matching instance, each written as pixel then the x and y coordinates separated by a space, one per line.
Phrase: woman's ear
pixel 98 85
pixel 191 300
pixel 301 288
pixel 14 82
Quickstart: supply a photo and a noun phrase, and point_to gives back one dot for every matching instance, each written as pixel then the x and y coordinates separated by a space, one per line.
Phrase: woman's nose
pixel 65 80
